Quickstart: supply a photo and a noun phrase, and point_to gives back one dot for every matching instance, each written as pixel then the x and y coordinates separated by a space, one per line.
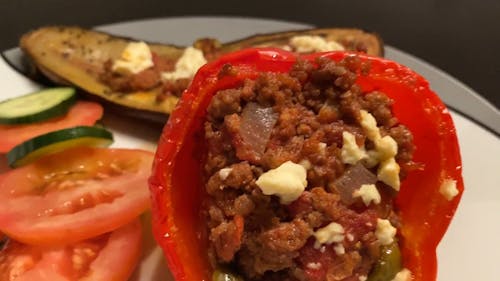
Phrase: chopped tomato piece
pixel 74 195
pixel 83 113
pixel 110 257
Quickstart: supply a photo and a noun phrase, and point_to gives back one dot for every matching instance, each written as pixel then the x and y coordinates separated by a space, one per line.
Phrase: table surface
pixel 459 36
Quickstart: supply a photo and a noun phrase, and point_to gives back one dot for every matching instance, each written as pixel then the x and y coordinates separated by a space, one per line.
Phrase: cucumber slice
pixel 53 142
pixel 37 106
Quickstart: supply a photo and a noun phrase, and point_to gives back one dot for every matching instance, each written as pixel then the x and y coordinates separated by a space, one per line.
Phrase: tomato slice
pixel 74 195
pixel 109 257
pixel 80 114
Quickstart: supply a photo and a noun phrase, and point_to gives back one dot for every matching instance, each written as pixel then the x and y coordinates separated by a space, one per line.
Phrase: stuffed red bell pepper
pixel 330 166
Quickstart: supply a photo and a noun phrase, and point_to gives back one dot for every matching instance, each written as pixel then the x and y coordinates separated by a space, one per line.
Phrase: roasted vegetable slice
pixel 86 59
pixel 351 39
pixel 76 56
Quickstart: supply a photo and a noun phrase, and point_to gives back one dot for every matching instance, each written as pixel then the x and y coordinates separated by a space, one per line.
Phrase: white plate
pixel 471 248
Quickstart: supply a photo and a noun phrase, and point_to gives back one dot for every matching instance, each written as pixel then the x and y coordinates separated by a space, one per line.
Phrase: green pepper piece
pixel 388 265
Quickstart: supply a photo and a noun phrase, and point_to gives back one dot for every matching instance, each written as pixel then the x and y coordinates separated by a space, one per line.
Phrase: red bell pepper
pixel 176 183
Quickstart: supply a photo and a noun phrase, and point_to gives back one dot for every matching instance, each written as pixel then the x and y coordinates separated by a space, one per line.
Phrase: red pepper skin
pixel 176 182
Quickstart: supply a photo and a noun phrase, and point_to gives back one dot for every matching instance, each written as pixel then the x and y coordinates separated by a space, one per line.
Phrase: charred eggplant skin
pixel 70 55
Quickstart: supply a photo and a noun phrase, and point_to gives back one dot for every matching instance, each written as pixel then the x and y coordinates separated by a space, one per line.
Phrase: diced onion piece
pixel 352 179
pixel 257 123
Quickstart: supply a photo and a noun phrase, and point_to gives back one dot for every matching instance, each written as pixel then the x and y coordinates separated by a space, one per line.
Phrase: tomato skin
pixel 109 258
pixel 177 189
pixel 74 195
pixel 117 260
pixel 82 113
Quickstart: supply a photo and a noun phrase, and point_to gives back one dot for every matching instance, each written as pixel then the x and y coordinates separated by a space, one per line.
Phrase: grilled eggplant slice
pixel 81 57
pixel 77 56
pixel 350 38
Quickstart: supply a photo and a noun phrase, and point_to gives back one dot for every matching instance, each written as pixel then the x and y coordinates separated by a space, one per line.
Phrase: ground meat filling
pixel 300 117
pixel 145 80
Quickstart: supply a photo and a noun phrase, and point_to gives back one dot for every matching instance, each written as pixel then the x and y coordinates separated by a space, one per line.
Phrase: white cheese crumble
pixel 449 189
pixel 288 181
pixel 308 44
pixel 386 149
pixel 306 164
pixel 385 232
pixel 403 275
pixel 362 278
pixel 322 147
pixel 369 125
pixel 224 173
pixel 388 173
pixel 135 58
pixel 187 65
pixel 339 249
pixel 351 153
pixel 332 233
pixel 372 159
pixel 350 237
pixel 368 193
pixel 314 265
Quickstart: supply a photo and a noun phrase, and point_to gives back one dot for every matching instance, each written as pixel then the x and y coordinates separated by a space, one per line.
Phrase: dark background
pixel 461 37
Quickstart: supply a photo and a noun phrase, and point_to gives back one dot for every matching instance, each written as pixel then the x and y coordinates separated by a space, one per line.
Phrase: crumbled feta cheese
pixel 314 265
pixel 224 173
pixel 369 125
pixel 386 149
pixel 351 153
pixel 388 173
pixel 385 232
pixel 288 181
pixel 362 278
pixel 308 44
pixel 322 147
pixel 332 233
pixel 350 237
pixel 306 164
pixel 403 275
pixel 135 58
pixel 368 193
pixel 372 159
pixel 339 249
pixel 449 189
pixel 187 65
